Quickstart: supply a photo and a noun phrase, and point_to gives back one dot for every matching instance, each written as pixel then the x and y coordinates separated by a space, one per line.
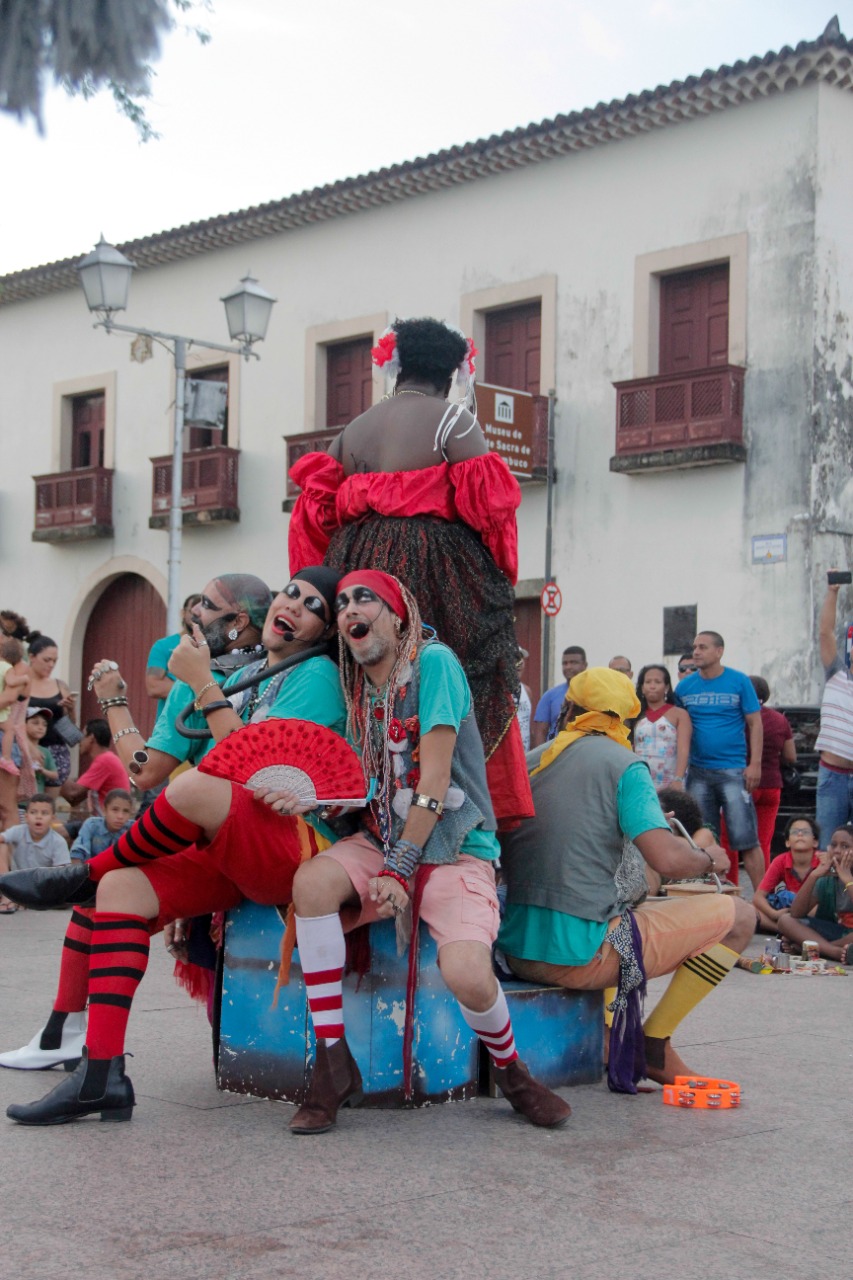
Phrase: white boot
pixel 33 1058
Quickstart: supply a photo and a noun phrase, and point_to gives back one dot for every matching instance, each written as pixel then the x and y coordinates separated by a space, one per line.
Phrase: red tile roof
pixel 829 59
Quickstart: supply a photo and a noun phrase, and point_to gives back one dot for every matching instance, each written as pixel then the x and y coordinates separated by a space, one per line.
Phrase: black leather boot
pixel 45 887
pixel 335 1082
pixel 99 1085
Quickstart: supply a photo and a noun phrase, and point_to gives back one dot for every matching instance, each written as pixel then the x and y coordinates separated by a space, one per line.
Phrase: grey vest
pixel 573 857
pixel 467 804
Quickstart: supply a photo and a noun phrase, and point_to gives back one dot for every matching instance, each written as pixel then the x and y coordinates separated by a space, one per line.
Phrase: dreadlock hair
pixel 357 698
pixel 429 349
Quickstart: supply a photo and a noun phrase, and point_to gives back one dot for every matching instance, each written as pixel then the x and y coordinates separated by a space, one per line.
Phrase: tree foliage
pixel 85 46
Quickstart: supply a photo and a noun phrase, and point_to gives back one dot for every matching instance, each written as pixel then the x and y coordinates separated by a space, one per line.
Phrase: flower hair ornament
pixel 385 354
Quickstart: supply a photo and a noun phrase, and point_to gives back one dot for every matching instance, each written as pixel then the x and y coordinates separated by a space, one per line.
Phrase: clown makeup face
pixel 368 628
pixel 298 616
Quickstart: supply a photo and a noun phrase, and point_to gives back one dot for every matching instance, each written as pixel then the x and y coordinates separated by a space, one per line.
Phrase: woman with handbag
pixel 47 691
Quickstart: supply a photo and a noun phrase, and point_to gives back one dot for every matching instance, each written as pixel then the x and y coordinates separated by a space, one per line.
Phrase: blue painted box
pixel 267 1051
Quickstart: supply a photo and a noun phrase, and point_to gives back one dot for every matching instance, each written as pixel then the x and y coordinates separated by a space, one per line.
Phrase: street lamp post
pixel 105 277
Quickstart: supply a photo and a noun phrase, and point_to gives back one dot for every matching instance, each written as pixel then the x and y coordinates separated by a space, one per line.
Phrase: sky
pixel 286 97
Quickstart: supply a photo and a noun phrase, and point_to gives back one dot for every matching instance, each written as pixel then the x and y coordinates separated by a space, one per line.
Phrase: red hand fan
pixel 290 755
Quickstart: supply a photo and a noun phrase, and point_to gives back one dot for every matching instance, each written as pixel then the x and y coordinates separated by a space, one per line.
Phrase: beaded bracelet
pixel 395 875
pixel 404 857
pixel 122 733
pixel 103 703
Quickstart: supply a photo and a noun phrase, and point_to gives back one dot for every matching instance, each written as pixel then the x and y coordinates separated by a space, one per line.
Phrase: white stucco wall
pixel 624 546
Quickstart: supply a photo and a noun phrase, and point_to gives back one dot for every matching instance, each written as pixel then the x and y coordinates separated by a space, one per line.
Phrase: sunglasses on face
pixel 360 596
pixel 685 670
pixel 314 604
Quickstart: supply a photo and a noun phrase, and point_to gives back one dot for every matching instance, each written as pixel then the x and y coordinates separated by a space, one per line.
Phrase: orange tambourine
pixel 702 1094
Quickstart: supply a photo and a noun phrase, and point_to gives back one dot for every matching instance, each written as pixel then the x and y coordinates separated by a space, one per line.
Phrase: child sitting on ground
pixel 97 834
pixel 31 843
pixel 784 878
pixel 829 887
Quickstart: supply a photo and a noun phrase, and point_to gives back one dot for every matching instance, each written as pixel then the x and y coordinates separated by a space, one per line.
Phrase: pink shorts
pixel 459 902
pixel 672 931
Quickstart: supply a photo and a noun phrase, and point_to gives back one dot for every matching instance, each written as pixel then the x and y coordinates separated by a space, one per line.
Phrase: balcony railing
pixel 73 505
pixel 680 420
pixel 295 447
pixel 209 487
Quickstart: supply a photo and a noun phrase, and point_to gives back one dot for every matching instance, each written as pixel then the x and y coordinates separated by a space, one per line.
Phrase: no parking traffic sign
pixel 551 599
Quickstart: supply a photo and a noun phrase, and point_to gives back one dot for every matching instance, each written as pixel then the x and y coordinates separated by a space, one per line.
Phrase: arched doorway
pixel 124 623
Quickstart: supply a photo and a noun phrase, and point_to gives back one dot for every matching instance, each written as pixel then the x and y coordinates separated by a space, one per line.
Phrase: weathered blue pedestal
pixel 267 1051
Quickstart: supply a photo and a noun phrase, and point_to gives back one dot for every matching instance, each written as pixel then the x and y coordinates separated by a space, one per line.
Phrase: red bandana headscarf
pixel 386 587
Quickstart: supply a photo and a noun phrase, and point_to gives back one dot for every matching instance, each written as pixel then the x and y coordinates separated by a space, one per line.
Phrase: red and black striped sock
pixel 159 831
pixel 74 968
pixel 120 945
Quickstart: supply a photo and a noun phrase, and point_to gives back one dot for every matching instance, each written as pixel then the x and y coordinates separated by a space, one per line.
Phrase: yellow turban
pixel 608 699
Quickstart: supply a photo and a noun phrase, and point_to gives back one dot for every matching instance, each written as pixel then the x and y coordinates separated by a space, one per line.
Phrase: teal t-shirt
pixel 165 736
pixel 158 659
pixel 445 699
pixel 312 691
pixel 537 933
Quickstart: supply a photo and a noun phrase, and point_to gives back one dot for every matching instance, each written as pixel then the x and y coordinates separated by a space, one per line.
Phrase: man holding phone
pixel 835 740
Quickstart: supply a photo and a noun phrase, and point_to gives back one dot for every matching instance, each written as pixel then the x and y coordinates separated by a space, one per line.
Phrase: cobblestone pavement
pixel 209 1185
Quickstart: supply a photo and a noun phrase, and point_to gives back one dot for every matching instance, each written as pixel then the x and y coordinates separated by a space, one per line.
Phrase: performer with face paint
pixel 204 845
pixel 426 848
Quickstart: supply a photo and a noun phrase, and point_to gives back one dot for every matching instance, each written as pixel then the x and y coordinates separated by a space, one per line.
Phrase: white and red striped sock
pixel 322 953
pixel 494 1027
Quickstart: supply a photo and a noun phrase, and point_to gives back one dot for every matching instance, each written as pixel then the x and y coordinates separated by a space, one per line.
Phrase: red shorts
pixel 255 854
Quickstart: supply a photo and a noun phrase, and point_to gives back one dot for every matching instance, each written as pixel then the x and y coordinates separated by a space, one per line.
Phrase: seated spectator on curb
pixel 105 773
pixel 31 843
pixel 573 886
pixel 97 834
pixel 784 877
pixel 44 771
pixel 829 887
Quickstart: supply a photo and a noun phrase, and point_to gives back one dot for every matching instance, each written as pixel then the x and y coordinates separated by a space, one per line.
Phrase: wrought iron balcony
pixel 680 420
pixel 74 505
pixel 208 490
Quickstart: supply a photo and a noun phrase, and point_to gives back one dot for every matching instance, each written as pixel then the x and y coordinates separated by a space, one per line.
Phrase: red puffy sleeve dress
pixel 449 532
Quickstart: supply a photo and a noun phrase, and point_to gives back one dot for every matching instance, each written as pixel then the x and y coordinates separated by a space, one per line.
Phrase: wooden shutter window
pixel 514 347
pixel 694 320
pixel 349 381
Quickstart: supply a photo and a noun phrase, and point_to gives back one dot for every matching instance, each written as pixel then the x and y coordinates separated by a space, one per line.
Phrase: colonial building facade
pixel 676 268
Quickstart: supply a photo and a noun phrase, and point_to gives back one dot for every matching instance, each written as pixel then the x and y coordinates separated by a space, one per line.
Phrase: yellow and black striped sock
pixel 691 982
pixel 609 997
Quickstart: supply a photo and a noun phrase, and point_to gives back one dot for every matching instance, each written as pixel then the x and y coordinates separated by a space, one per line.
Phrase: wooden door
pixel 514 348
pixel 87 431
pixel 349 381
pixel 694 320
pixel 125 622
